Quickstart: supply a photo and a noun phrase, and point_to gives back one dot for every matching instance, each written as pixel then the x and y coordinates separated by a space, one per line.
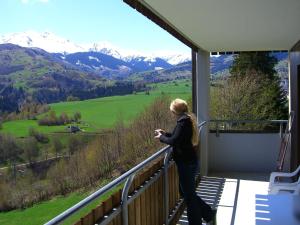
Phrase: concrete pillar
pixel 203 99
pixel 294 97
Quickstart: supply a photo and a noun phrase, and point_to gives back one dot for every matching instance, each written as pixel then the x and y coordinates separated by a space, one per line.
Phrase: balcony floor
pixel 234 198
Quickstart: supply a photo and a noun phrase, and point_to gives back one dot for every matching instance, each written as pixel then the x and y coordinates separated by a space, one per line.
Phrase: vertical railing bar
pixel 124 202
pixel 178 205
pixel 110 217
pixel 217 129
pixel 280 130
pixel 166 186
pixel 144 187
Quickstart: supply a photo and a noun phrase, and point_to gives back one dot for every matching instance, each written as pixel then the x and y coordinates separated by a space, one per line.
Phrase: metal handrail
pixel 125 198
pixel 249 121
pixel 64 215
pixel 166 187
pixel 280 122
pixel 128 178
pixel 200 126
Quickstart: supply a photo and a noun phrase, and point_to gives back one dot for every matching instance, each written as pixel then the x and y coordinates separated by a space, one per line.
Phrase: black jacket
pixel 181 140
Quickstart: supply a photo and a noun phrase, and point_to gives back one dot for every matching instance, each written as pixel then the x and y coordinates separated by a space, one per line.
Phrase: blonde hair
pixel 179 107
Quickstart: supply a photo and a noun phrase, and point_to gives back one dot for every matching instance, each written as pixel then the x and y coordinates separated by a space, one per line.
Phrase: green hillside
pixel 34 68
pixel 34 74
pixel 180 71
pixel 102 112
pixel 45 211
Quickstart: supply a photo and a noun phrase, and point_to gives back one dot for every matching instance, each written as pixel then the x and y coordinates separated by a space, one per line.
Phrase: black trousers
pixel 196 207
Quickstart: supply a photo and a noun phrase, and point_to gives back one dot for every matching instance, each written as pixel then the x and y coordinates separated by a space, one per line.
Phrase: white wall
pixel 244 152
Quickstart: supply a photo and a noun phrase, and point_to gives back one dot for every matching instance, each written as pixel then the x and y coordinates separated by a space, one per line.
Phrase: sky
pixel 85 21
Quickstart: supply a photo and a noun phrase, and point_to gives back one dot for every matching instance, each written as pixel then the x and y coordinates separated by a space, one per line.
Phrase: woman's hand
pixel 158 133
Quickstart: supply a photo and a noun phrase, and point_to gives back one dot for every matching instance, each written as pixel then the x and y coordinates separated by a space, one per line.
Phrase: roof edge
pixel 296 47
pixel 146 11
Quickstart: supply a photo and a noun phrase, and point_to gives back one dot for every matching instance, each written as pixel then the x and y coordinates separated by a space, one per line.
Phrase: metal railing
pixel 124 177
pixel 128 178
pixel 229 123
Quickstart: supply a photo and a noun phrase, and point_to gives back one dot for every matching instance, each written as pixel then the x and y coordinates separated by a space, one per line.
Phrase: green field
pixel 98 113
pixel 40 213
pixel 102 113
pixel 45 211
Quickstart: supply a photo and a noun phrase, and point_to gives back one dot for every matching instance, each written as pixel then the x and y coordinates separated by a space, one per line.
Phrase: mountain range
pixel 47 68
pixel 108 61
pixel 55 44
pixel 111 67
pixel 102 58
pixel 32 74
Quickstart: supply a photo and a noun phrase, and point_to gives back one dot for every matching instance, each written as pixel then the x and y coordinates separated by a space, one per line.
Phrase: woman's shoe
pixel 213 219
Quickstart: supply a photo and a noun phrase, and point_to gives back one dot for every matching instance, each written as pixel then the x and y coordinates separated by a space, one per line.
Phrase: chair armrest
pixel 297 190
pixel 282 174
pixel 274 175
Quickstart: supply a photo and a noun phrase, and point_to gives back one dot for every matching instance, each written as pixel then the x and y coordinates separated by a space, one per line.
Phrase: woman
pixel 184 140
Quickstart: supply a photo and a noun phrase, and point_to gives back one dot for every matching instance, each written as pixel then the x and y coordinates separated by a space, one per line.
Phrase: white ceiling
pixel 233 25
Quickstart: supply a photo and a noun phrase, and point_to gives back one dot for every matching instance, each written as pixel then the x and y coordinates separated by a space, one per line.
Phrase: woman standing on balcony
pixel 184 140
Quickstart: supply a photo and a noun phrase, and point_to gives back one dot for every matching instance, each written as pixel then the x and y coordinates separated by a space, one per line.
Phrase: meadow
pixel 102 113
pixel 45 211
pixel 98 113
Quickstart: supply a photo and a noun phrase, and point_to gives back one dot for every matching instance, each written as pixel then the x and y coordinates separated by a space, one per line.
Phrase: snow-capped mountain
pixel 105 48
pixel 46 41
pixel 99 63
pixel 112 67
pixel 55 44
pixel 175 58
pixel 140 63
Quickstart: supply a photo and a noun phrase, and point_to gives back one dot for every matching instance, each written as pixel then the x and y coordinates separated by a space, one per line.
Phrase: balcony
pixel 243 160
pixel 237 184
pixel 237 164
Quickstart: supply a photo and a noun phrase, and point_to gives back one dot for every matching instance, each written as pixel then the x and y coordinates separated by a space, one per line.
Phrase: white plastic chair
pixel 275 186
pixel 297 191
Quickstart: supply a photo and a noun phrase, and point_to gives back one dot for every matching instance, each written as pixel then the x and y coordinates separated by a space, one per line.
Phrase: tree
pixel 72 98
pixel 57 146
pixel 77 116
pixel 63 119
pixel 244 97
pixel 119 132
pixel 40 137
pixel 261 62
pixel 10 152
pixel 9 149
pixel 260 66
pixel 74 144
pixel 52 117
pixel 31 149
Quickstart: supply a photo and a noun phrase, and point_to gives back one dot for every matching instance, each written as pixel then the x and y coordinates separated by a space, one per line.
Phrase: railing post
pixel 124 199
pixel 280 130
pixel 166 187
pixel 217 129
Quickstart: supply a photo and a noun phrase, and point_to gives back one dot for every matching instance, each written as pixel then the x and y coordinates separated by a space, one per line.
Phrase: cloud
pixel 34 1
